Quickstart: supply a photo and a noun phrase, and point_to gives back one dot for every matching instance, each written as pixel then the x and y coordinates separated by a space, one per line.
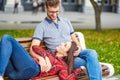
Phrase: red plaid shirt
pixel 59 67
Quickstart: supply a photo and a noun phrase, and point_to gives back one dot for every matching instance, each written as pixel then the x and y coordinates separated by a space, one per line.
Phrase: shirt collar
pixel 50 21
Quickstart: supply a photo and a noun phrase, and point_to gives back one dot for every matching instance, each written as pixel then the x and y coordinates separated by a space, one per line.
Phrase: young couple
pixel 54 30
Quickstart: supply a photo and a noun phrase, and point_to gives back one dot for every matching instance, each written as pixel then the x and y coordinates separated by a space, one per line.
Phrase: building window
pixel 0 1
pixel 70 1
pixel 64 0
pixel 107 2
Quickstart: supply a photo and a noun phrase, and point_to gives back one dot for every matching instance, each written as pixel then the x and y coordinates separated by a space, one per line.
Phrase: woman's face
pixel 63 48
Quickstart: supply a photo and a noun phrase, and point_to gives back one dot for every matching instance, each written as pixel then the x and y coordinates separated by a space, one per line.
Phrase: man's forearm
pixel 75 39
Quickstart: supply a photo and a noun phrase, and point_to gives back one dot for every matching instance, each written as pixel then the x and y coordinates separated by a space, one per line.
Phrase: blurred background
pixel 19 18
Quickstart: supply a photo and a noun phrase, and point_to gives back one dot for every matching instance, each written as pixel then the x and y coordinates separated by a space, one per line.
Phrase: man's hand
pixel 77 52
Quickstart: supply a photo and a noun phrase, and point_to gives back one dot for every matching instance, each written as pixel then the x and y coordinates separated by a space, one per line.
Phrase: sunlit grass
pixel 106 43
pixel 17 33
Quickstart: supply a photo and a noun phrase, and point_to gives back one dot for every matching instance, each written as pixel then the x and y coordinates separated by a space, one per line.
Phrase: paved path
pixel 117 77
pixel 26 20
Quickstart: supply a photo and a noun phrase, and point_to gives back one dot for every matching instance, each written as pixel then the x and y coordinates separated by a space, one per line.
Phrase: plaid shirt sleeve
pixel 38 50
pixel 63 74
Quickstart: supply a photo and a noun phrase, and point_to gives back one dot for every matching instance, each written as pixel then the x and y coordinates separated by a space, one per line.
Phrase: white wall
pixel 88 8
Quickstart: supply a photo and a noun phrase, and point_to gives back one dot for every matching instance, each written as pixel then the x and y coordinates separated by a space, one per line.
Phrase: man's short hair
pixel 52 3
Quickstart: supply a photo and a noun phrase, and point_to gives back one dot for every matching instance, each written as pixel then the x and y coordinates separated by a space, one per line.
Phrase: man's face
pixel 52 12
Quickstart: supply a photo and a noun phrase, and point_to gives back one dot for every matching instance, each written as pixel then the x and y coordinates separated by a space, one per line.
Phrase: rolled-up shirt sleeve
pixel 38 34
pixel 71 27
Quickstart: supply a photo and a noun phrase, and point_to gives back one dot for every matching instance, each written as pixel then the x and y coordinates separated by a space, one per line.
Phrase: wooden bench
pixel 25 42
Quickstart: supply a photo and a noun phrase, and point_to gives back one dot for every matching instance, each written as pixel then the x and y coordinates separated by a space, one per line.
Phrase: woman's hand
pixel 48 64
pixel 42 64
pixel 45 64
pixel 77 52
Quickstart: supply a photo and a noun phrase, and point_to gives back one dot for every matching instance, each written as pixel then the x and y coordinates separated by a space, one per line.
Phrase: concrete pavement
pixel 117 77
pixel 27 20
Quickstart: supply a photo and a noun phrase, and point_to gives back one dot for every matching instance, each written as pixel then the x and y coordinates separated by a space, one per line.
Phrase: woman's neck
pixel 59 55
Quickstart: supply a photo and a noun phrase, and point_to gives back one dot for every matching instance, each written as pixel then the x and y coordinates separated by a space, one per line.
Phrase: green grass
pixel 106 43
pixel 17 33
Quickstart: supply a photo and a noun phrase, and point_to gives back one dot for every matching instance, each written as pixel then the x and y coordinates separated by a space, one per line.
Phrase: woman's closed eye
pixel 65 45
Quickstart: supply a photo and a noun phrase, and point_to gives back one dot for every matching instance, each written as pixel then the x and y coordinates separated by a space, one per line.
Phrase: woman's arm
pixel 43 54
pixel 41 60
pixel 38 50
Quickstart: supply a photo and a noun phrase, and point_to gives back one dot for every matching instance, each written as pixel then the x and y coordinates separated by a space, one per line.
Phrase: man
pixel 55 30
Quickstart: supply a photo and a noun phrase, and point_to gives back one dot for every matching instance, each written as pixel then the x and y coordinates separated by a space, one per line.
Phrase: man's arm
pixel 44 63
pixel 75 39
pixel 34 42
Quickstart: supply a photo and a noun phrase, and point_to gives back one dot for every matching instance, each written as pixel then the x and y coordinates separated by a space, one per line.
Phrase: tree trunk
pixel 98 20
pixel 97 10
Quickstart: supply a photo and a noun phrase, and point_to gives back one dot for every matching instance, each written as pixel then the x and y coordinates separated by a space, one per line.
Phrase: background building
pixel 67 5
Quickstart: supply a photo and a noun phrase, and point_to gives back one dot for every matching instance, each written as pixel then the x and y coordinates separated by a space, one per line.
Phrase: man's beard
pixel 49 17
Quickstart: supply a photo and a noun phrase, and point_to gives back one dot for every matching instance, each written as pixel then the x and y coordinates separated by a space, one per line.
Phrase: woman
pixel 15 61
pixel 59 67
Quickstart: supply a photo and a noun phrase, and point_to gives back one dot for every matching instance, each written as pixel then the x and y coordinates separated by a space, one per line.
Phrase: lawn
pixel 106 43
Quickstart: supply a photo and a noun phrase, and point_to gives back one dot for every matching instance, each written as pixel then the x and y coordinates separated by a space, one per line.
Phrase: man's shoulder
pixel 42 23
pixel 62 18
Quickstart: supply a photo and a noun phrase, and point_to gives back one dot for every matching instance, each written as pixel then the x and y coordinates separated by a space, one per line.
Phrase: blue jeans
pixel 15 61
pixel 89 59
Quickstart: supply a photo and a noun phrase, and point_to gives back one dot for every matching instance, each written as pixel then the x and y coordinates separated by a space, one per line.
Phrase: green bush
pixel 106 43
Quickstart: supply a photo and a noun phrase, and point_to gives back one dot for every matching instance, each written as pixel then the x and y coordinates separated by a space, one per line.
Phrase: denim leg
pixel 14 56
pixel 79 62
pixel 9 68
pixel 92 64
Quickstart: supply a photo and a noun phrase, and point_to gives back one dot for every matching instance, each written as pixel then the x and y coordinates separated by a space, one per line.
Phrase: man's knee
pixel 92 54
pixel 89 53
